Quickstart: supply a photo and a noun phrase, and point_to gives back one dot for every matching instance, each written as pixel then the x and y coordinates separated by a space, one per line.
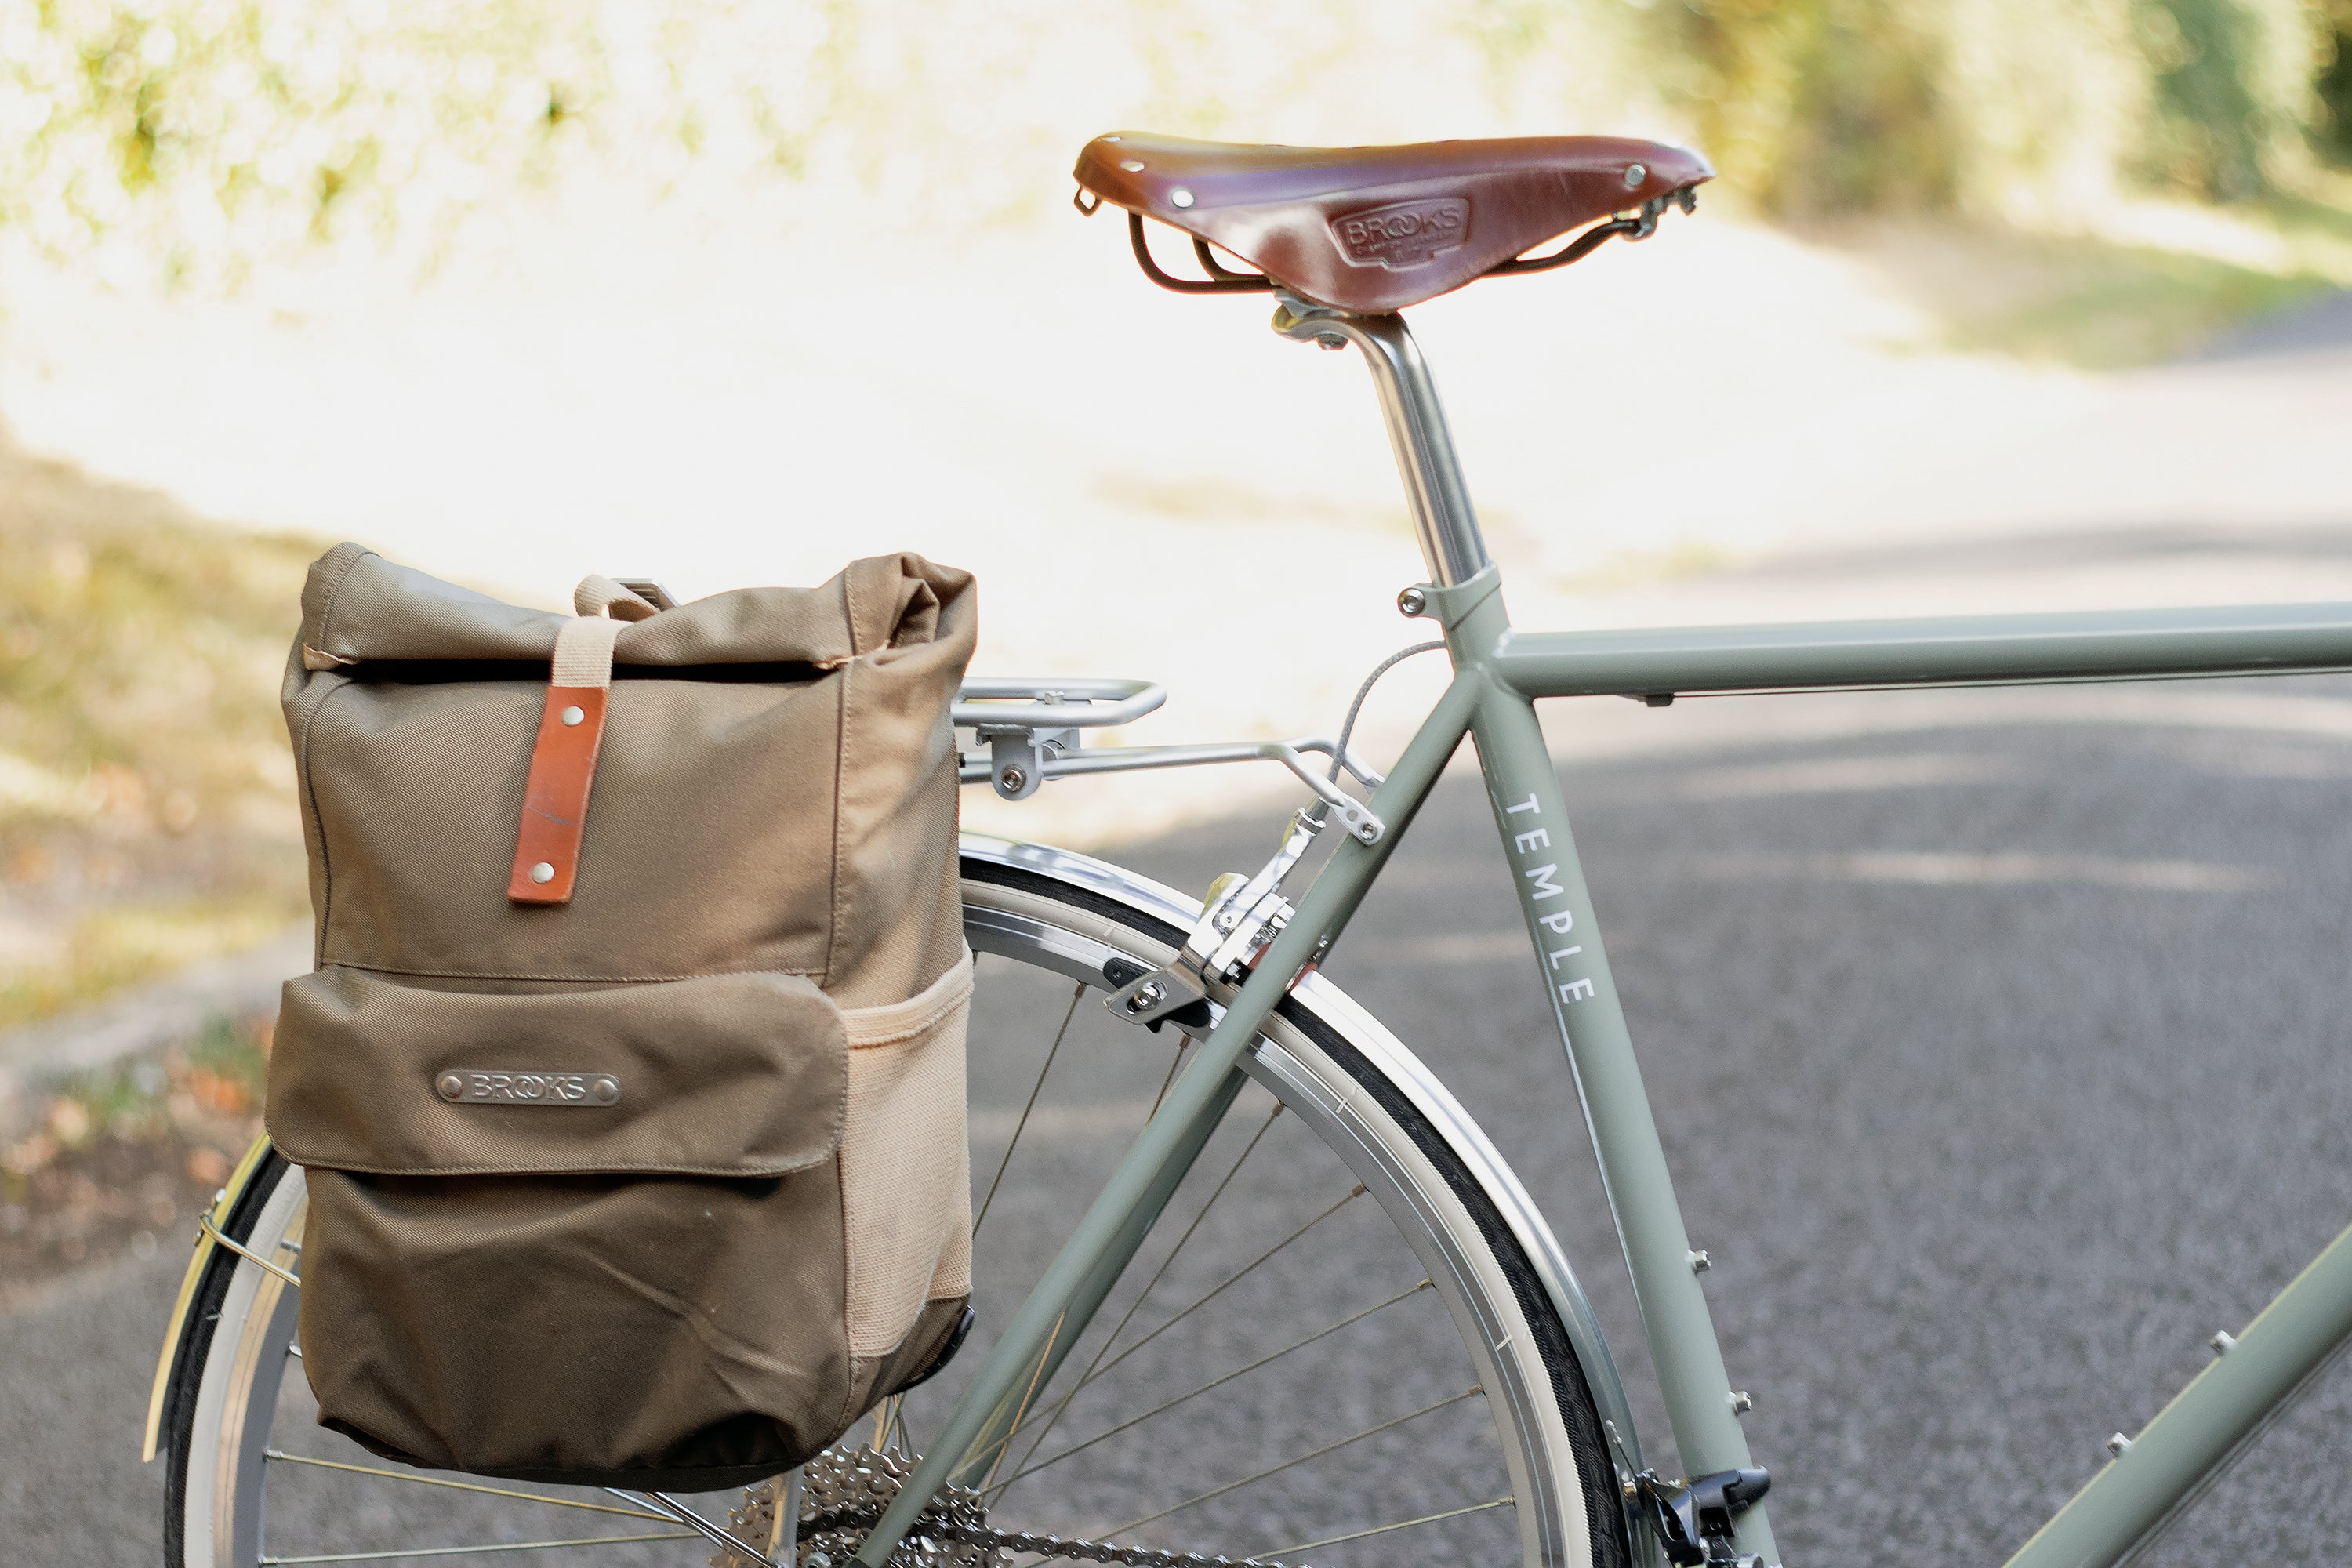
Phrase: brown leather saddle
pixel 1377 228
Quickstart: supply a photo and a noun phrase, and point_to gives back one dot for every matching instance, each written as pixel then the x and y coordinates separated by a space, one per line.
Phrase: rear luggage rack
pixel 1028 731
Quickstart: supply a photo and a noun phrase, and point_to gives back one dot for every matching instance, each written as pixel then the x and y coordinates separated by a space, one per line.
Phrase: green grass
pixel 2130 307
pixel 146 801
pixel 2098 304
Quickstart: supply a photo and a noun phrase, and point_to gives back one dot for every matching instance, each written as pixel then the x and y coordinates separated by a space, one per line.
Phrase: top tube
pixel 1951 650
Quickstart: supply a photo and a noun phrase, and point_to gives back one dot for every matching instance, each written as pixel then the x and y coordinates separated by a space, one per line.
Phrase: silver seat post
pixel 1441 515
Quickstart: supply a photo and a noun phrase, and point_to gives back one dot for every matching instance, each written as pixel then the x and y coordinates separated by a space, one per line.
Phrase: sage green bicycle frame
pixel 1498 675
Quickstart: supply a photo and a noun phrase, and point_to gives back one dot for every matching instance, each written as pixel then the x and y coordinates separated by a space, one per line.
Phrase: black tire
pixel 1335 1069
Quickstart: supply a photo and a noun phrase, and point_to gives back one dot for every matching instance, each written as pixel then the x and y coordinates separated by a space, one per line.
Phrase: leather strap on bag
pixel 570 730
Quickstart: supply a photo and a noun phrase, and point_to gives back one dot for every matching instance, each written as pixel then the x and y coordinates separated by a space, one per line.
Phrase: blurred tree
pixel 2235 105
pixel 194 136
pixel 1997 104
pixel 188 142
pixel 2335 84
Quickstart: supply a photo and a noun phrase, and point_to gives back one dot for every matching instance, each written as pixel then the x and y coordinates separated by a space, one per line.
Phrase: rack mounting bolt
pixel 1700 1262
pixel 2118 1444
pixel 1740 1401
pixel 2224 1342
pixel 1413 602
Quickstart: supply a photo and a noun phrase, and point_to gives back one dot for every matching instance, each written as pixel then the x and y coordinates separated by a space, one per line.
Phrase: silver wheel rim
pixel 238 1390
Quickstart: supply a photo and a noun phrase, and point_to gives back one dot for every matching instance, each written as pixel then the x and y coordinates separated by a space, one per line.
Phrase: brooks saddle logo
pixel 1402 234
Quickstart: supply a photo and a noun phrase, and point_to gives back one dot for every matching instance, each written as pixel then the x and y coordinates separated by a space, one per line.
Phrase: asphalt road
pixel 2001 1055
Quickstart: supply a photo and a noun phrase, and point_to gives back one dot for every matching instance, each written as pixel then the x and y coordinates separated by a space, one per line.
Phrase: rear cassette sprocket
pixel 845 1492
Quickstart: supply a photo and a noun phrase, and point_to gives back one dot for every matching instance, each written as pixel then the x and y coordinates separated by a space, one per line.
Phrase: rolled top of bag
pixel 773 775
pixel 357 606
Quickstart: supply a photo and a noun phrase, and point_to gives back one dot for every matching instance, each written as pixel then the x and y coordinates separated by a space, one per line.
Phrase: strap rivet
pixel 572 715
pixel 542 872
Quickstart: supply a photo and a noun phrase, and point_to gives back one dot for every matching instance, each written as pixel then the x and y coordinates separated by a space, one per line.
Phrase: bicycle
pixel 1498 1423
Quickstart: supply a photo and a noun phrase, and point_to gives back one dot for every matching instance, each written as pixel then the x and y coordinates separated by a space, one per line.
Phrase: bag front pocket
pixel 721 1075
pixel 588 1235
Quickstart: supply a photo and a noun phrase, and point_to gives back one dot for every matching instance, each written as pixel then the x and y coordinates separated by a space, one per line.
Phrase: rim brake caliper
pixel 1242 917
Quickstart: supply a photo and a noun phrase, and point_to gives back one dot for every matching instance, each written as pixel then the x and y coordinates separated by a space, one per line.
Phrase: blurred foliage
pixel 2003 107
pixel 146 797
pixel 192 139
pixel 2335 85
pixel 200 136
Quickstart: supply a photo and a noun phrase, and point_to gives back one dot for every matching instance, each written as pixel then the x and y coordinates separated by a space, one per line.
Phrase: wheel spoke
pixel 1233 1280
pixel 891 1422
pixel 1215 1382
pixel 699 1525
pixel 1135 1306
pixel 472 1551
pixel 1173 1063
pixel 1290 1464
pixel 283 1458
pixel 1018 1127
pixel 1027 1395
pixel 1384 1529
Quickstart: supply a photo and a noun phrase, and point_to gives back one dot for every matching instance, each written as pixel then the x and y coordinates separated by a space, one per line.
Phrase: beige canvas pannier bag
pixel 630 1082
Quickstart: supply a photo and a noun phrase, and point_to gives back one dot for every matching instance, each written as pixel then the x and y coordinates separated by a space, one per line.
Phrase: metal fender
pixel 167 1366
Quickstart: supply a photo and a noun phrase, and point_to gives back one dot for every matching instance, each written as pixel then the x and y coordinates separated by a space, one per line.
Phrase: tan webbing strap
pixel 570 730
pixel 598 595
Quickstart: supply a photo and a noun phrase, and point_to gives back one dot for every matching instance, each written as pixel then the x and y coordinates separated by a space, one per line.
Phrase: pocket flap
pixel 720 1075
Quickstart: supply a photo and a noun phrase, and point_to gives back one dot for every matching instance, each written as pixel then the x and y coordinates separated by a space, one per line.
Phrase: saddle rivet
pixel 542 872
pixel 1635 175
pixel 571 715
pixel 1180 197
pixel 450 1085
pixel 1132 165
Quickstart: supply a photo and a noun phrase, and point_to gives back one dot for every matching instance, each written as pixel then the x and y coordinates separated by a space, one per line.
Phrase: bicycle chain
pixel 844 1494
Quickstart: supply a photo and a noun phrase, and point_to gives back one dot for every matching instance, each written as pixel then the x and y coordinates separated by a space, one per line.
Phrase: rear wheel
pixel 1335 1348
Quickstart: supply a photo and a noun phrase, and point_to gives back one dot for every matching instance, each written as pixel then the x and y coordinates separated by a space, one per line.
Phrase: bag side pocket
pixel 906 1165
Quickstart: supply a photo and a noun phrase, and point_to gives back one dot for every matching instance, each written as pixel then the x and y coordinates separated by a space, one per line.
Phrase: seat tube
pixel 1524 790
